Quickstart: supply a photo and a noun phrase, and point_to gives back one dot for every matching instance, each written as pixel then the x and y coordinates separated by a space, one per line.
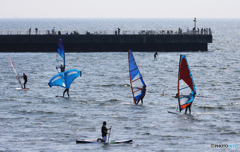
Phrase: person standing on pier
pixel 36 29
pixel 118 31
pixel 30 31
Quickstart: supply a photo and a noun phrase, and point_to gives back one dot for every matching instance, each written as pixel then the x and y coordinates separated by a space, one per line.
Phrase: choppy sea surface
pixel 36 120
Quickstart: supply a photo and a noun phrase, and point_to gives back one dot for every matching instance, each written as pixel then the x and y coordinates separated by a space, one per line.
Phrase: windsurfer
pixel 104 132
pixel 143 92
pixel 176 96
pixel 25 80
pixel 189 106
pixel 155 56
pixel 62 68
pixel 66 90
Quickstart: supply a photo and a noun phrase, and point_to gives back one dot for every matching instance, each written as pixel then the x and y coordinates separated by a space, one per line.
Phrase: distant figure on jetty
pixel 118 31
pixel 36 29
pixel 53 31
pixel 155 56
pixel 29 31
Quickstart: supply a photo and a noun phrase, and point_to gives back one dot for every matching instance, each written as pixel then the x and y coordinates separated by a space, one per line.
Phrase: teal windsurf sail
pixel 137 84
pixel 64 79
pixel 60 57
pixel 186 86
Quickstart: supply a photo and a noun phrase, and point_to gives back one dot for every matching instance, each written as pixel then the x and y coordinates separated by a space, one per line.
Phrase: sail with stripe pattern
pixel 186 86
pixel 137 84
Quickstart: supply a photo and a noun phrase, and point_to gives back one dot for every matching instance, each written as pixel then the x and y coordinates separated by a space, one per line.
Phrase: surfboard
pixel 95 141
pixel 157 60
pixel 178 113
pixel 22 89
pixel 173 112
pixel 63 96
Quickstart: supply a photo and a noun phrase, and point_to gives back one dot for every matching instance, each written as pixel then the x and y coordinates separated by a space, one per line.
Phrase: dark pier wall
pixel 105 43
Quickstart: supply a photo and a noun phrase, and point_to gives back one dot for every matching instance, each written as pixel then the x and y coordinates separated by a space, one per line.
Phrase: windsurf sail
pixel 64 79
pixel 17 77
pixel 186 86
pixel 60 57
pixel 137 84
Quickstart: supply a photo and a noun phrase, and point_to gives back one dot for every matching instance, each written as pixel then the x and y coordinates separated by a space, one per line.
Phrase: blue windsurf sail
pixel 137 84
pixel 186 86
pixel 60 57
pixel 64 79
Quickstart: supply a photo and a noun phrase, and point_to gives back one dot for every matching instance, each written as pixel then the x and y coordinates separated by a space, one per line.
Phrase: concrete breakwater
pixel 142 42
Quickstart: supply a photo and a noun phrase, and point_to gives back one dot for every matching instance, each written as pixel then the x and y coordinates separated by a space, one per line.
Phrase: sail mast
pixel 15 72
pixel 179 84
pixel 130 77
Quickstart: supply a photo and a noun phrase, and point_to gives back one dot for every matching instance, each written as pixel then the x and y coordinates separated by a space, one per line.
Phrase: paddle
pixel 109 134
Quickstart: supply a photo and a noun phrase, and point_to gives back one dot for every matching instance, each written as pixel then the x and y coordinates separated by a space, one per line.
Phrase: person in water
pixel 143 92
pixel 62 68
pixel 155 56
pixel 189 106
pixel 66 90
pixel 25 79
pixel 176 96
pixel 104 132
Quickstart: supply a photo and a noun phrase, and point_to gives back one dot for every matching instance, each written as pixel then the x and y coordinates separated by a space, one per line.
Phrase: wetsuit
pixel 25 80
pixel 66 90
pixel 142 96
pixel 155 56
pixel 62 68
pixel 188 107
pixel 104 132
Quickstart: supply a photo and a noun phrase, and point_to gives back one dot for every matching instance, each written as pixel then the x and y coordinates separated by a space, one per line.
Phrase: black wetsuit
pixel 104 131
pixel 188 107
pixel 25 81
pixel 155 56
pixel 62 69
pixel 143 92
pixel 66 90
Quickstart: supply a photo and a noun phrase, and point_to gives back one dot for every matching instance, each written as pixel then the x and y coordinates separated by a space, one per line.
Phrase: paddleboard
pixel 95 141
pixel 62 96
pixel 22 89
pixel 173 112
pixel 157 60
pixel 179 113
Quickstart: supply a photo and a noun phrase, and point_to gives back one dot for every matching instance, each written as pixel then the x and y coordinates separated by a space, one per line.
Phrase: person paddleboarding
pixel 104 131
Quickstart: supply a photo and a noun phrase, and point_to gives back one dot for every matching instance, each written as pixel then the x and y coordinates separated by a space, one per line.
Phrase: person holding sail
pixel 62 68
pixel 143 92
pixel 189 106
pixel 25 79
pixel 66 90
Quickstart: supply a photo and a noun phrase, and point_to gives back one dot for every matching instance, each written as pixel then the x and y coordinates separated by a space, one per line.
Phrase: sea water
pixel 36 120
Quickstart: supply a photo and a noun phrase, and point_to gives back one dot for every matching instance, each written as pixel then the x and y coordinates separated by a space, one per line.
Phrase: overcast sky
pixel 119 8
